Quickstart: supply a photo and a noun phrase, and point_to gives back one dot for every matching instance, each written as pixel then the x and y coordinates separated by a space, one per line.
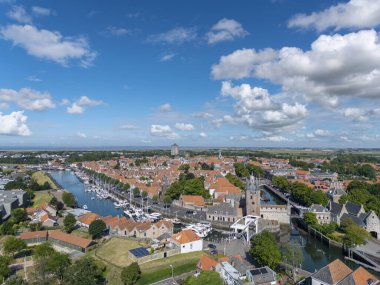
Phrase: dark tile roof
pixel 335 208
pixel 352 208
pixel 356 220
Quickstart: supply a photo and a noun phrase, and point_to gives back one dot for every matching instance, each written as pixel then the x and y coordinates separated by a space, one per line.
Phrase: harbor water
pixel 69 181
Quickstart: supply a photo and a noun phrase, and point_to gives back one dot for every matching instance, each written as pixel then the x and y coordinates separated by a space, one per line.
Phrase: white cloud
pixel 164 108
pixel 128 127
pixel 117 31
pixel 225 30
pixel 318 134
pixel 335 66
pixel 50 45
pixel 14 124
pixel 353 14
pixel 75 109
pixel 78 106
pixel 177 35
pixel 19 14
pixel 203 115
pixel 184 127
pixel 41 11
pixel 274 138
pixel 81 135
pixel 34 78
pixel 241 63
pixel 255 107
pixel 202 134
pixel 27 98
pixel 167 57
pixel 360 115
pixel 163 131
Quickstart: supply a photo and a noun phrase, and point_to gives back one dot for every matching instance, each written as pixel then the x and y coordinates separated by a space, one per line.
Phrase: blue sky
pixel 199 73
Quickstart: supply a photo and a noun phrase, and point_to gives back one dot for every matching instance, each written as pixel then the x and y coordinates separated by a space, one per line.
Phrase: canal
pixel 316 254
pixel 69 181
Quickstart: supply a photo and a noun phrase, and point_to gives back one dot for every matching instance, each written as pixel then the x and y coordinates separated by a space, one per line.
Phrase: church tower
pixel 252 197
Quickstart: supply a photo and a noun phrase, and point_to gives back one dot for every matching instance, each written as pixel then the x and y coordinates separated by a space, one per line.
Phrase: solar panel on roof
pixel 263 270
pixel 255 271
pixel 139 252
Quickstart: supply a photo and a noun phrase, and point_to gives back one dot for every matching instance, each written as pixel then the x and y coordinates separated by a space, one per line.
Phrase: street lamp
pixel 171 266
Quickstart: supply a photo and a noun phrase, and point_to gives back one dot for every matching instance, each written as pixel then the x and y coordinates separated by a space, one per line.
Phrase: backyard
pixel 115 253
pixel 40 198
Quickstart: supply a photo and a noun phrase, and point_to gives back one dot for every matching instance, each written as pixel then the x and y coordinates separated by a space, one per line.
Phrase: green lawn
pixel 40 198
pixel 40 177
pixel 115 251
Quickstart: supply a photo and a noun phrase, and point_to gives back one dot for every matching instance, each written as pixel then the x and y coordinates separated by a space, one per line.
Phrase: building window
pixel 191 246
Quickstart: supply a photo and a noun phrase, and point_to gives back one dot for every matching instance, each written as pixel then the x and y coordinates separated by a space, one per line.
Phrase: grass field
pixel 115 254
pixel 115 251
pixel 40 198
pixel 40 177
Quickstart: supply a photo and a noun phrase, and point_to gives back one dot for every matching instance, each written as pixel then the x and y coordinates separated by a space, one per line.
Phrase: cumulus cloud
pixel 41 11
pixel 117 31
pixel 49 45
pixel 128 127
pixel 360 115
pixel 34 78
pixel 14 124
pixel 184 127
pixel 273 138
pixel 203 115
pixel 163 131
pixel 79 106
pixel 225 30
pixel 19 14
pixel 178 35
pixel 335 66
pixel 164 108
pixel 202 134
pixel 255 107
pixel 27 98
pixel 167 57
pixel 319 133
pixel 353 14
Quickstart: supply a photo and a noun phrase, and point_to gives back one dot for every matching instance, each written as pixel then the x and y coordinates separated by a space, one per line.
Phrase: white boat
pixel 84 207
pixel 92 198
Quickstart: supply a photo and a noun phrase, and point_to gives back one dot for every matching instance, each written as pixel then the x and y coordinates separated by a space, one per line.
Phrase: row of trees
pixel 300 192
pixel 245 170
pixel 187 184
pixel 348 169
pixel 235 181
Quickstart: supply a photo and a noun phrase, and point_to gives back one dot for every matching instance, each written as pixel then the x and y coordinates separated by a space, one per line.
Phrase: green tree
pixel 69 222
pixel 54 201
pixel 18 215
pixel 292 254
pixel 96 228
pixel 136 191
pixel 205 277
pixel 184 167
pixel 144 194
pixel 167 200
pixel 131 274
pixel 4 266
pixel 354 234
pixel 69 199
pixel 15 280
pixel 235 181
pixel 13 245
pixel 155 198
pixel 84 271
pixel 319 197
pixel 265 250
pixel 310 219
pixel 58 264
pixel 6 228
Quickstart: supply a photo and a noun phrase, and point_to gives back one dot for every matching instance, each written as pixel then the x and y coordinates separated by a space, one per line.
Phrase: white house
pixel 188 241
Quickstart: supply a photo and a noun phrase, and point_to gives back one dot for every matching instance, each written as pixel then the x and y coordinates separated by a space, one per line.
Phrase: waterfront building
pixel 87 219
pixel 194 202
pixel 222 212
pixel 229 274
pixel 174 150
pixel 367 220
pixel 322 214
pixel 188 241
pixel 10 200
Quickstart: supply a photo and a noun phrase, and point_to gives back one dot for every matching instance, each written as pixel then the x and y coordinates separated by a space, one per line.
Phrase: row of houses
pixel 59 238
pixel 335 212
pixel 127 227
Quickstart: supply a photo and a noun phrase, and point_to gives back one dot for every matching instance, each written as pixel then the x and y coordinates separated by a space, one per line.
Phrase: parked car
pixel 212 246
